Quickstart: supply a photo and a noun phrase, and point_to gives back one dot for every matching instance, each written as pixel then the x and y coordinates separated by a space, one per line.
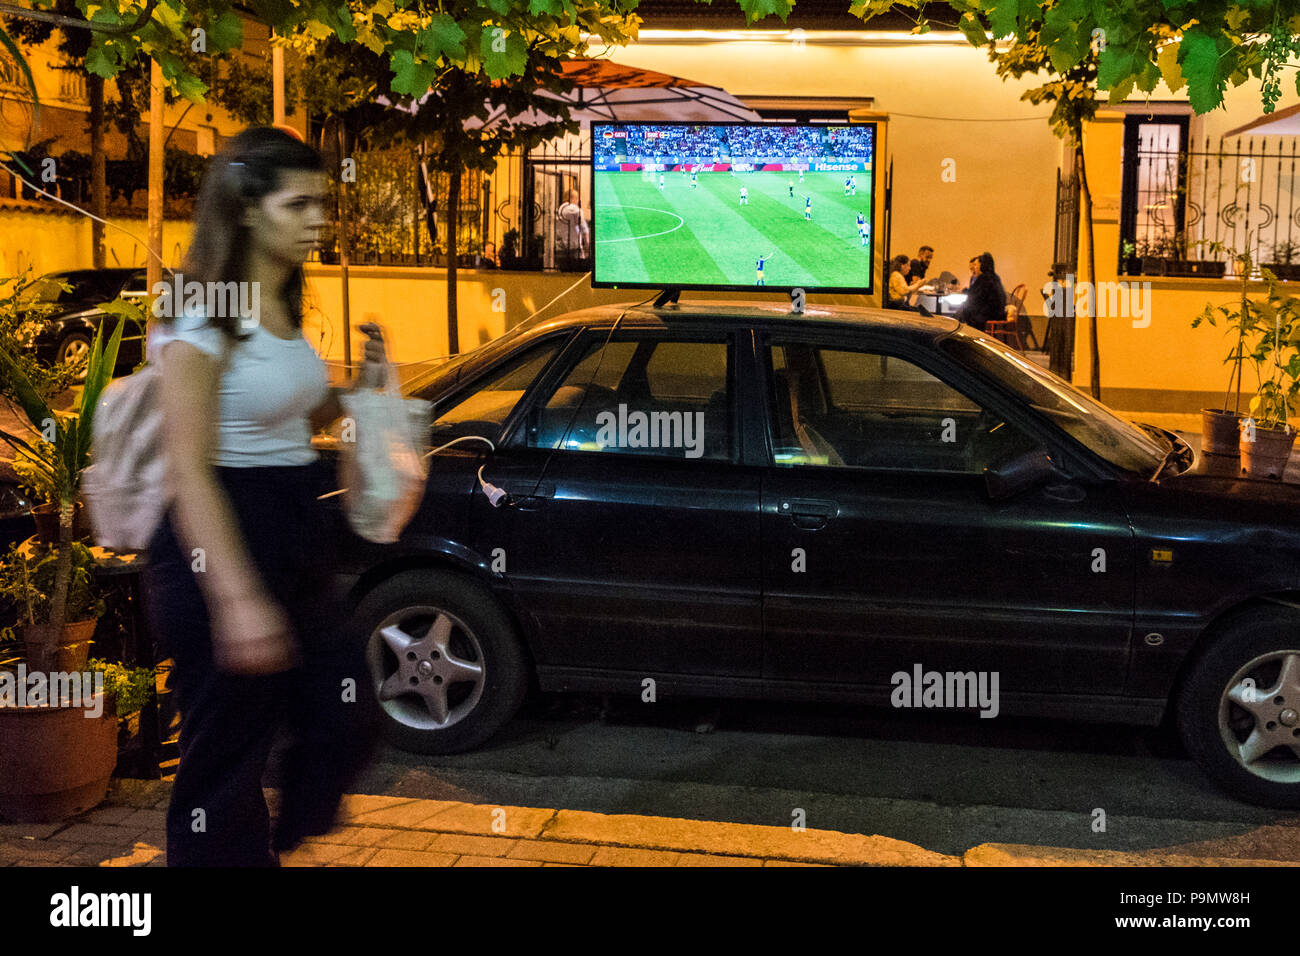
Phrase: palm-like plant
pixel 65 453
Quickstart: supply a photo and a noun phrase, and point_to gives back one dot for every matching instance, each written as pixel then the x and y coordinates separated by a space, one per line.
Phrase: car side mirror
pixel 1019 473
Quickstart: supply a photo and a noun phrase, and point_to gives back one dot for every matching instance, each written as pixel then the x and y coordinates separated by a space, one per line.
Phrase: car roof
pixel 107 273
pixel 713 314
pixel 748 313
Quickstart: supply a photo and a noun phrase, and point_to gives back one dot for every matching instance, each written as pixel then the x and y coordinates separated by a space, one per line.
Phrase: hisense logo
pixel 76 909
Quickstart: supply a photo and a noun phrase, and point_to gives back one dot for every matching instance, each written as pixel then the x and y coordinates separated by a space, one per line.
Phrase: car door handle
pixel 1065 491
pixel 808 513
pixel 528 495
pixel 528 488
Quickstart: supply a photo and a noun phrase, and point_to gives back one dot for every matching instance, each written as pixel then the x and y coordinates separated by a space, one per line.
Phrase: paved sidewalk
pixel 128 829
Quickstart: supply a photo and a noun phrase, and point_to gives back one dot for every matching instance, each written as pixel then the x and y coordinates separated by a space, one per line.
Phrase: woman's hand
pixel 375 362
pixel 251 635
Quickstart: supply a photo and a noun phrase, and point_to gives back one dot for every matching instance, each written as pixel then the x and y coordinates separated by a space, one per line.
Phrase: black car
pixel 843 505
pixel 63 323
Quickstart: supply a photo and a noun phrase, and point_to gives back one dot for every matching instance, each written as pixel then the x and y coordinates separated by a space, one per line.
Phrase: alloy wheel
pixel 1259 716
pixel 428 667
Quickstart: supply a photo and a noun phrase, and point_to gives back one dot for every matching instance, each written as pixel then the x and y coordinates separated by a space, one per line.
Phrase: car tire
pixel 1243 686
pixel 418 612
pixel 74 346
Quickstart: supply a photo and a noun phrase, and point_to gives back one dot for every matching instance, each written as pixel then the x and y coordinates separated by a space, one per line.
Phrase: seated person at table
pixel 900 290
pixel 921 264
pixel 986 299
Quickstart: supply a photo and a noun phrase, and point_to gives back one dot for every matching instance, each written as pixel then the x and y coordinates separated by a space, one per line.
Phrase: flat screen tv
pixel 734 206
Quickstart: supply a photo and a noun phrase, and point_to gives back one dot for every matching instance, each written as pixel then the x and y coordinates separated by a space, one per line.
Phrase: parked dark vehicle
pixel 66 330
pixel 15 509
pixel 735 501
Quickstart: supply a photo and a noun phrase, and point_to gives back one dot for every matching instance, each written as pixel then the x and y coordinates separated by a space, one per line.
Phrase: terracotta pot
pixel 47 523
pixel 58 649
pixel 1220 434
pixel 55 762
pixel 1268 454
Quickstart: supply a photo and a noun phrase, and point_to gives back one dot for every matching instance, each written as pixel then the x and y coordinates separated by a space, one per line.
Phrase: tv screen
pixel 734 206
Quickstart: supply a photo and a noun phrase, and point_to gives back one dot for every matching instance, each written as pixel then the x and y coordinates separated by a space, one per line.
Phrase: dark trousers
pixel 218 816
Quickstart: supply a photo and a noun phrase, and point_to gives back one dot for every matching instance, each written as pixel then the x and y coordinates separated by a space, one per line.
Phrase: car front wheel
pixel 74 349
pixel 447 665
pixel 1239 710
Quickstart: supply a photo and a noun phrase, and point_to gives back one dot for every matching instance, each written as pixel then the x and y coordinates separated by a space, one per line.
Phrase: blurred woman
pixel 238 580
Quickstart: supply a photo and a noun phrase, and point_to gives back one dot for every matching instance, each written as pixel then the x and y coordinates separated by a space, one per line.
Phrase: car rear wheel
pixel 446 663
pixel 1239 710
pixel 74 349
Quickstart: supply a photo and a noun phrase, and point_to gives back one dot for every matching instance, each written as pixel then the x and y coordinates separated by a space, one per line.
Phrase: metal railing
pixel 398 213
pixel 1242 195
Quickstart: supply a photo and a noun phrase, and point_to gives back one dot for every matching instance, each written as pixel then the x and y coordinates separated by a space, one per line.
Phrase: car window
pixel 136 283
pixel 640 396
pixel 485 406
pixel 1089 422
pixel 854 408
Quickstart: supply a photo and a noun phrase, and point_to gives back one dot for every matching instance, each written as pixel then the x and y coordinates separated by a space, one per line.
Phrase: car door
pixel 633 532
pixel 882 550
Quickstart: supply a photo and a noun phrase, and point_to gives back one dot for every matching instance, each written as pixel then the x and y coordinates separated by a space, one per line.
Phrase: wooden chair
pixel 1015 328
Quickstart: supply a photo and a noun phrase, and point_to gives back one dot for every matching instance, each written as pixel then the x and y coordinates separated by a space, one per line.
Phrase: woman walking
pixel 239 575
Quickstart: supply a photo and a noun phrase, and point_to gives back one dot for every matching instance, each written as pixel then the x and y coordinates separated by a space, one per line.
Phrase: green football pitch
pixel 704 236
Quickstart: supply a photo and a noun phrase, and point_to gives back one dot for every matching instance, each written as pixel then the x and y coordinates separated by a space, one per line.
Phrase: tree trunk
pixel 98 167
pixel 1085 194
pixel 453 207
pixel 343 243
pixel 62 565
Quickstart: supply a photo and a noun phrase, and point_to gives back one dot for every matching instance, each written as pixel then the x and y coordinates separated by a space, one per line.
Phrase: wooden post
pixel 153 265
pixel 98 167
pixel 277 86
pixel 342 233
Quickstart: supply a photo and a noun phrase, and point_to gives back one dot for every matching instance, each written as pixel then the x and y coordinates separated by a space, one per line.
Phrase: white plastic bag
pixel 383 468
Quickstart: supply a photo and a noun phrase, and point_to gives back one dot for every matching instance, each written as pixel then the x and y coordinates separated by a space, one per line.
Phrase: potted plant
pixel 128 690
pixel 1283 265
pixel 1219 426
pixel 1132 262
pixel 1267 436
pixel 57 757
pixel 27 580
pixel 1167 255
pixel 53 760
pixel 36 471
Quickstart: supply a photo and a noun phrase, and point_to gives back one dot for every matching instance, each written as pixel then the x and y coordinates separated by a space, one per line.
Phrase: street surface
pixel 944 782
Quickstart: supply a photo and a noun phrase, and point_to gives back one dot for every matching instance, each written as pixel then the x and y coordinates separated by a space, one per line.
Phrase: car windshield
pixel 84 286
pixel 428 381
pixel 1092 424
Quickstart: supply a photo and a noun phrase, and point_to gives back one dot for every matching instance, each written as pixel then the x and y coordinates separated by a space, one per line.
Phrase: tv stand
pixel 666 297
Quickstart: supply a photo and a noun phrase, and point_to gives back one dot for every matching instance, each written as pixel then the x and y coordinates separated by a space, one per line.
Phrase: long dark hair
pixel 247 169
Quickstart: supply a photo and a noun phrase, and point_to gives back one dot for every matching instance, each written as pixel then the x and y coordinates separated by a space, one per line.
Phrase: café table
pixel 945 304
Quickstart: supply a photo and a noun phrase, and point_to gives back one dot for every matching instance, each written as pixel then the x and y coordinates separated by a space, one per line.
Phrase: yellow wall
pixel 412 305
pixel 55 241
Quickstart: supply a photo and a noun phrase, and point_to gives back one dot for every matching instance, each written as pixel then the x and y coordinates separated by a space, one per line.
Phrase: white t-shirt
pixel 269 388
